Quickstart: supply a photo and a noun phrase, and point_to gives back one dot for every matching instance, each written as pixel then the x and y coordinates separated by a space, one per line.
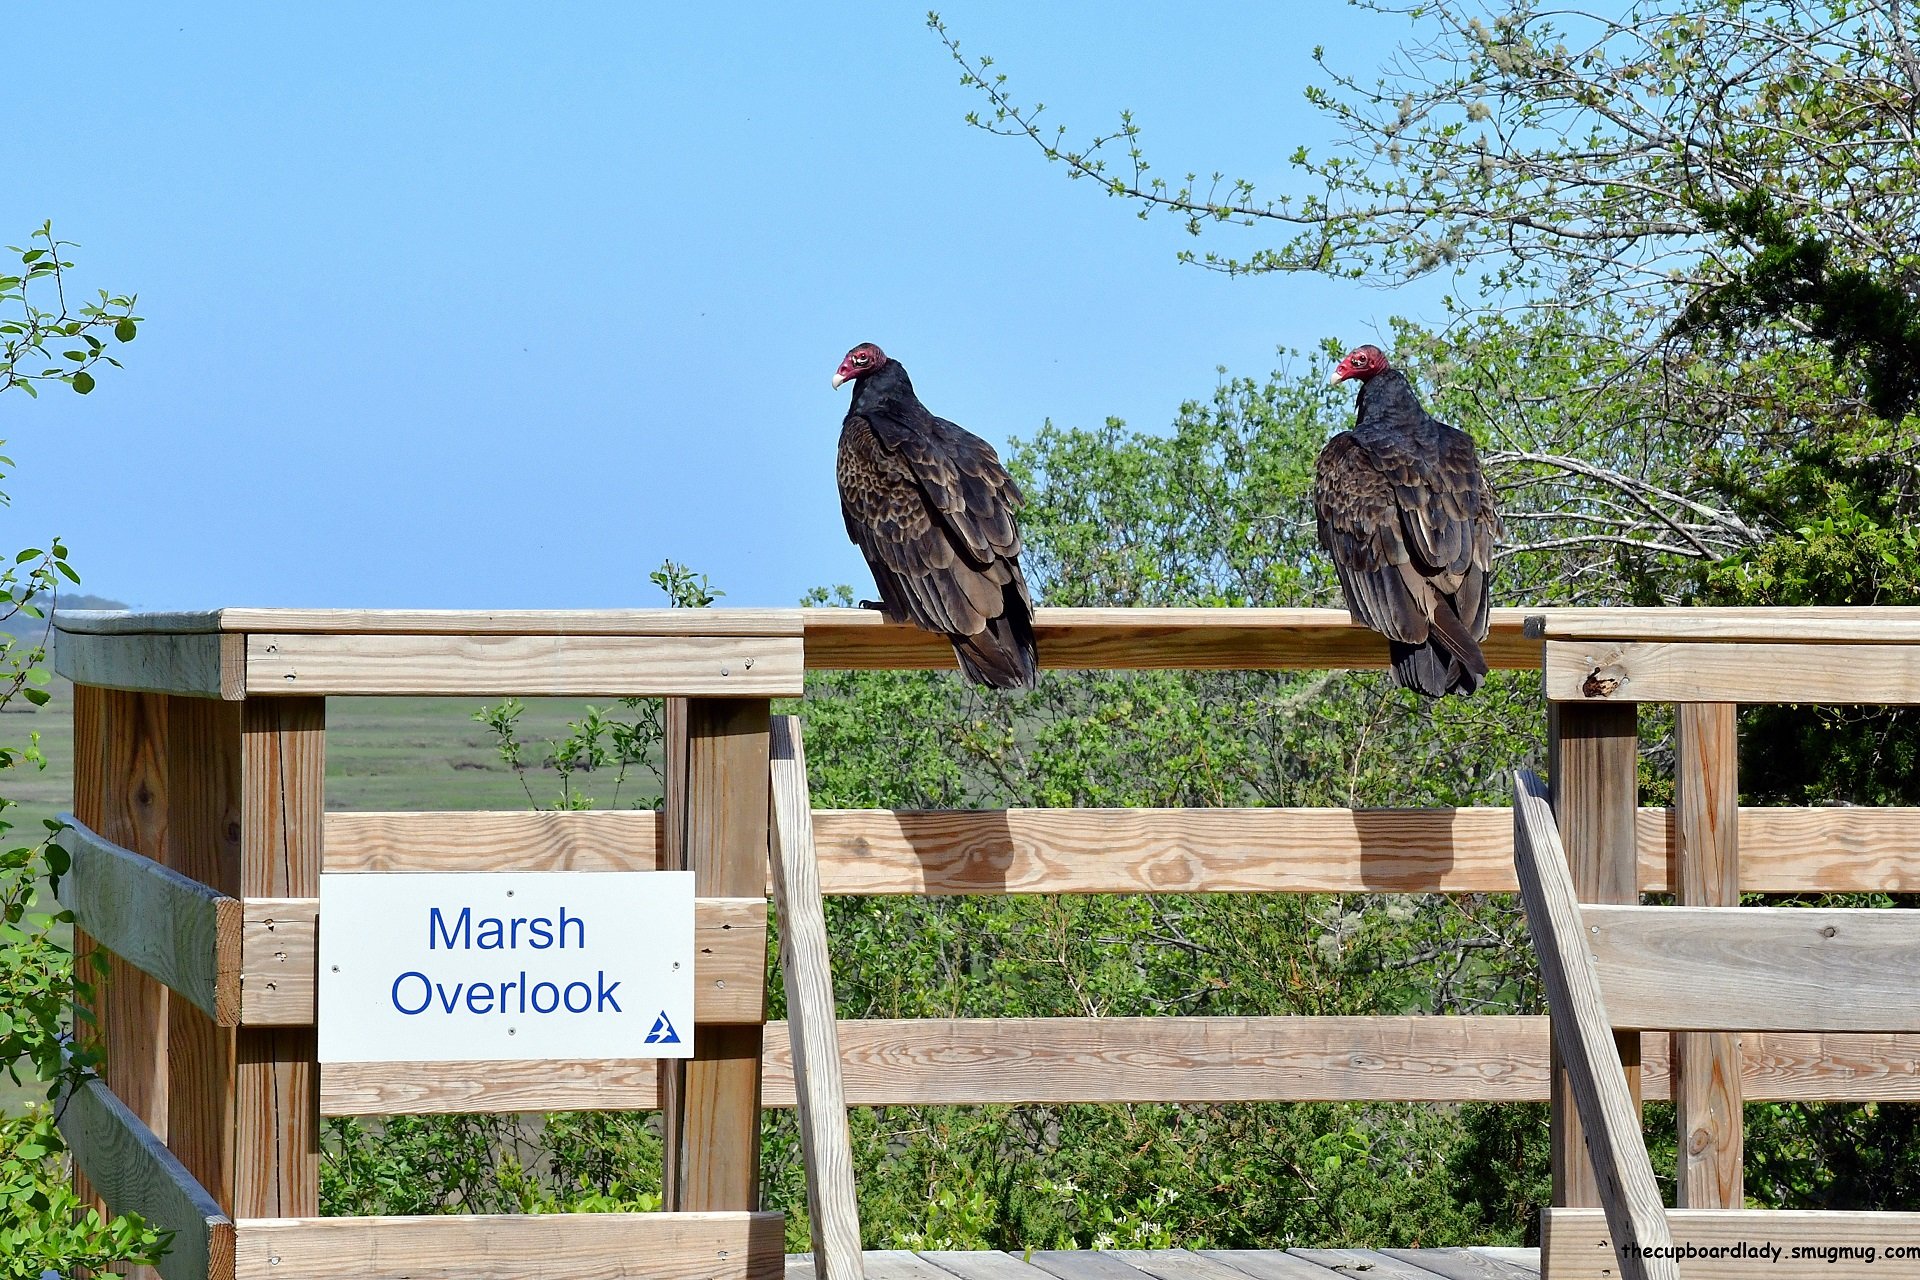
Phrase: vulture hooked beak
pixel 839 378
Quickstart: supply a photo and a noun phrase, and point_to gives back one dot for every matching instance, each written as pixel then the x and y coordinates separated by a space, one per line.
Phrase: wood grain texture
pixel 172 928
pixel 550 1246
pixel 717 796
pixel 1574 1241
pixel 899 1264
pixel 929 1061
pixel 120 791
pixel 966 851
pixel 1375 1266
pixel 1707 1102
pixel 279 952
pixel 279 961
pixel 607 840
pixel 1762 968
pixel 1593 755
pixel 491 665
pixel 826 1144
pixel 1268 1264
pixel 1464 1264
pixel 276 1087
pixel 531 622
pixel 984 1264
pixel 1164 850
pixel 194 665
pixel 1606 671
pixel 1081 1264
pixel 1609 1113
pixel 1147 639
pixel 135 1173
pixel 829 627
pixel 1175 1264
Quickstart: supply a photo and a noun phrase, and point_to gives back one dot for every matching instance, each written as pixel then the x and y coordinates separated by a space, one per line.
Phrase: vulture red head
pixel 1362 363
pixel 858 363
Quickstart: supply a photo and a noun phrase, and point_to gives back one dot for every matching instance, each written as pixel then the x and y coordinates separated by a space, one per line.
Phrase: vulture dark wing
pixel 922 565
pixel 1357 513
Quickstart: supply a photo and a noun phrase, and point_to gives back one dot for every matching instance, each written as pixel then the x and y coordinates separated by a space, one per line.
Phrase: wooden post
pixel 716 825
pixel 1594 760
pixel 247 797
pixel 1706 1065
pixel 120 791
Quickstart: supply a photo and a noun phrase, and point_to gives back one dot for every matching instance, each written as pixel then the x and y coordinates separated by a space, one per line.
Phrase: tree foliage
pixel 43 1226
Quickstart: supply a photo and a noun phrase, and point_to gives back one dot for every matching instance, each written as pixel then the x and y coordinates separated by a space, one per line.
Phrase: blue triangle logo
pixel 663 1032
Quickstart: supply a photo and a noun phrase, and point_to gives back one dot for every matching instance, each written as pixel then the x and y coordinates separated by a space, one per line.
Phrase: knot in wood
pixel 1601 682
pixel 1829 931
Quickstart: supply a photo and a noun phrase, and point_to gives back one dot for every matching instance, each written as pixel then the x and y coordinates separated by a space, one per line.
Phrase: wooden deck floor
pixel 1202 1264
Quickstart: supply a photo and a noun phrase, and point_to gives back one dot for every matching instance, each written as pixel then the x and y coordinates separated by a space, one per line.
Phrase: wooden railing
pixel 200 744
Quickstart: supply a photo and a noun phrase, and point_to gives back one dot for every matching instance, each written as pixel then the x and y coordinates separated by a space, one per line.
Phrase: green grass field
pixel 382 753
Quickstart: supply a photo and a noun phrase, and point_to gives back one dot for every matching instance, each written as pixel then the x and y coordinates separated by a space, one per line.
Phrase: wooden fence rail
pixel 200 744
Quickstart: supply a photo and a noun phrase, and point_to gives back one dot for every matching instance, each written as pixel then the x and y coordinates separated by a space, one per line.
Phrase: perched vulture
pixel 931 508
pixel 1409 520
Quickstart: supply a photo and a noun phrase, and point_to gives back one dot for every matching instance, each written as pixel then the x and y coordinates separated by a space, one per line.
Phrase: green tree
pixel 44 338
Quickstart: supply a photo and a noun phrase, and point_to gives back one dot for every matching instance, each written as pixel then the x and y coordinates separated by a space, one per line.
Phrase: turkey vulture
pixel 931 508
pixel 1404 510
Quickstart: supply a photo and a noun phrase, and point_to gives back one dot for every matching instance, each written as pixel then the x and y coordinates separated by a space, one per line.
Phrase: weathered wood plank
pixel 1763 968
pixel 1593 755
pixel 279 964
pixel 1608 671
pixel 120 791
pixel 961 851
pixel 827 628
pixel 1707 1105
pixel 1146 639
pixel 203 842
pixel 455 1088
pixel 1609 1113
pixel 931 1061
pixel 135 1173
pixel 1176 1264
pixel 1366 1262
pixel 279 949
pixel 490 665
pixel 1574 1242
pixel 717 794
pixel 550 1246
pixel 1463 1264
pixel 174 929
pixel 276 1131
pixel 984 1264
pixel 814 1042
pixel 558 840
pixel 938 1062
pixel 530 622
pixel 1082 1264
pixel 1269 1264
pixel 899 1264
pixel 195 665
pixel 1164 850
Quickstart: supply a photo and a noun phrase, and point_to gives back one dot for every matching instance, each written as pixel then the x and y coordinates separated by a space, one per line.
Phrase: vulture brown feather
pixel 932 510
pixel 1403 508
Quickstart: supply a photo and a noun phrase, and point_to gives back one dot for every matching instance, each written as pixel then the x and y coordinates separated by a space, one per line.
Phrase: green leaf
pixel 125 330
pixel 83 382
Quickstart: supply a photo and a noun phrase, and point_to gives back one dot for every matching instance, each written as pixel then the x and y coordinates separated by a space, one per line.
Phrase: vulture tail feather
pixel 1425 668
pixel 1003 656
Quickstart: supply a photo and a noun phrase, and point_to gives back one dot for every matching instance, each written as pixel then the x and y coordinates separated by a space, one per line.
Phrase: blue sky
pixel 501 311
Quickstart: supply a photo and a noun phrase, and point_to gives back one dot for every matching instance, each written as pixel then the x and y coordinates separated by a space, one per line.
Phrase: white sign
pixel 505 965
